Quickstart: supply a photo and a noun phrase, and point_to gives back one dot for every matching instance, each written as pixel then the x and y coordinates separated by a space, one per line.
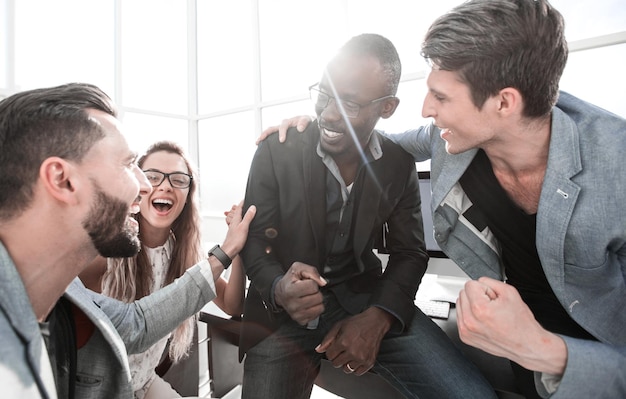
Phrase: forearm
pixel 217 268
pixel 546 354
pixel 231 248
pixel 231 292
pixel 415 141
pixel 145 321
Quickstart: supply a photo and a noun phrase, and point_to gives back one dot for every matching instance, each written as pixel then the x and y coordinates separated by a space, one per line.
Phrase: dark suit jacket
pixel 287 184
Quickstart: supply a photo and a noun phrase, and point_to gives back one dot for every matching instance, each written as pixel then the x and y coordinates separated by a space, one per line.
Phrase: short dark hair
pixel 381 48
pixel 41 123
pixel 494 44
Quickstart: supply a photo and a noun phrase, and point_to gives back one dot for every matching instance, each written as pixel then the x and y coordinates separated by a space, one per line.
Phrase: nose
pixel 144 185
pixel 330 112
pixel 166 184
pixel 428 109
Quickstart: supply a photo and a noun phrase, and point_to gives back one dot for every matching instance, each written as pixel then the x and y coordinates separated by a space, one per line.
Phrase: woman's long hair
pixel 128 279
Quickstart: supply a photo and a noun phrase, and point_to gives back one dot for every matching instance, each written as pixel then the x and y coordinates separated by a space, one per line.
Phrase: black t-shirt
pixel 59 335
pixel 516 233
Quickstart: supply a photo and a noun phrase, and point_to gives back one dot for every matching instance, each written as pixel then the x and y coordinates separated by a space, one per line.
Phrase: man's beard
pixel 108 227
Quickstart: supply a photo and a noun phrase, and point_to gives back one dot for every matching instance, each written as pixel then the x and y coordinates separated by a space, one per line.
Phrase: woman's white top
pixel 142 364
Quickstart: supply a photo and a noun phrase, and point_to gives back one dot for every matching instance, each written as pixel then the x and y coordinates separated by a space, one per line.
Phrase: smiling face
pixel 165 204
pixel 449 102
pixel 103 223
pixel 358 79
pixel 111 164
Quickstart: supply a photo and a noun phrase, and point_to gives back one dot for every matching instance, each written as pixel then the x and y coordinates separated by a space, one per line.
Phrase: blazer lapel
pixel 315 190
pixel 78 295
pixel 15 304
pixel 558 195
pixel 368 207
pixel 455 166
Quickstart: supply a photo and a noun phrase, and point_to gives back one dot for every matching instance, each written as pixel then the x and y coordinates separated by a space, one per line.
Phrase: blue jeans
pixel 421 363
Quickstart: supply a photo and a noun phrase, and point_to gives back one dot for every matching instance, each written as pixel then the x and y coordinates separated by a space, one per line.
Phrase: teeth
pixel 162 201
pixel 332 134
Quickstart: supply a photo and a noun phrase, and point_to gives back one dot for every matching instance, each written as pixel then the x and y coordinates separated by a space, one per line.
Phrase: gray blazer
pixel 581 234
pixel 102 369
pixel 102 364
pixel 25 370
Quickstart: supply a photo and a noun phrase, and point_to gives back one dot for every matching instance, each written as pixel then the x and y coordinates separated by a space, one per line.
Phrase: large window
pixel 211 75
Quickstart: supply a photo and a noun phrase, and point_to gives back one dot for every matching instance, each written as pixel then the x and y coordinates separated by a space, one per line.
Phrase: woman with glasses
pixel 169 229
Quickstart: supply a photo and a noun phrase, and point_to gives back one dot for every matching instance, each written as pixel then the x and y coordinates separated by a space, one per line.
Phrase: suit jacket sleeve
pixel 259 254
pixel 142 323
pixel 408 259
pixel 415 141
pixel 593 370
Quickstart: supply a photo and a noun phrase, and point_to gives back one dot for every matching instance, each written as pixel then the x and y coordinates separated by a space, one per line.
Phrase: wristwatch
pixel 221 256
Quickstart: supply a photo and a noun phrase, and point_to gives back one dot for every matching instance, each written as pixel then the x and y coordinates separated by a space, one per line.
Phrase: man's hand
pixel 492 316
pixel 353 343
pixel 299 122
pixel 298 293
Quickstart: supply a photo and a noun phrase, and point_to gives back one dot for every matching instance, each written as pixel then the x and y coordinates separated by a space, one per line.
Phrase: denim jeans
pixel 422 362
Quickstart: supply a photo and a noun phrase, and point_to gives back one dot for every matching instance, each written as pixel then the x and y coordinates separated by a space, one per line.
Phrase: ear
pixel 59 180
pixel 509 102
pixel 389 107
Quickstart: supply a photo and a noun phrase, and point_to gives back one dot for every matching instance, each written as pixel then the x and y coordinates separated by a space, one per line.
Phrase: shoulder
pixel 393 152
pixel 589 118
pixel 600 134
pixel 89 302
pixel 293 146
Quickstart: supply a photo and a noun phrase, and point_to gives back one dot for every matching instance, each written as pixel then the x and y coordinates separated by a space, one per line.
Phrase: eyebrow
pixel 326 88
pixel 160 171
pixel 437 92
pixel 132 157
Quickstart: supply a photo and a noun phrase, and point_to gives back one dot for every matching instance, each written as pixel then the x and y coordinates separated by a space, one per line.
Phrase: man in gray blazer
pixel 69 184
pixel 528 190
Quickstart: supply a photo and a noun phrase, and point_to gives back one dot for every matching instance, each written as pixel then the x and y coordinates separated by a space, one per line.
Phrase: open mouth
pixel 331 134
pixel 162 205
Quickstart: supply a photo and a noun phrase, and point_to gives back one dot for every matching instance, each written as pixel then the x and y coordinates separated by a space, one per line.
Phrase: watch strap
pixel 221 256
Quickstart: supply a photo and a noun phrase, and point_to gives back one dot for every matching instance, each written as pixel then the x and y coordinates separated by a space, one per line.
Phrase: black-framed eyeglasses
pixel 321 99
pixel 176 179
